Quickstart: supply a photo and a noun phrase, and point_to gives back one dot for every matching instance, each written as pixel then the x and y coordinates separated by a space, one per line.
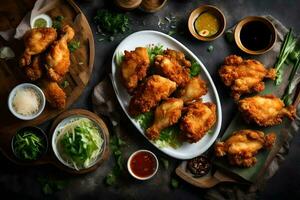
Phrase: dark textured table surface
pixel 23 183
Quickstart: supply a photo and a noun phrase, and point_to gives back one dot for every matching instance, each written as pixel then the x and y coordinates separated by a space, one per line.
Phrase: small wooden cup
pixel 152 6
pixel 216 12
pixel 241 24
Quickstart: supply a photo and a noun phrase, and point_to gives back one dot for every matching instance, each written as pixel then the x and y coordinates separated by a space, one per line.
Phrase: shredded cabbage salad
pixel 80 143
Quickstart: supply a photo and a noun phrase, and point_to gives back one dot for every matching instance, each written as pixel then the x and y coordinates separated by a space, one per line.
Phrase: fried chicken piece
pixel 34 70
pixel 244 76
pixel 58 58
pixel 54 94
pixel 243 145
pixel 166 114
pixel 150 93
pixel 178 57
pixel 172 70
pixel 36 41
pixel 193 90
pixel 267 110
pixel 134 67
pixel 198 119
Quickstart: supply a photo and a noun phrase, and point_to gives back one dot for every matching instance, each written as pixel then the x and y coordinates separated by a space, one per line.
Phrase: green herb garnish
pixel 195 68
pixel 49 186
pixel 57 22
pixel 287 97
pixel 119 58
pixel 80 143
pixel 111 22
pixel 210 48
pixel 116 144
pixel 73 45
pixel 64 84
pixel 145 119
pixel 174 183
pixel 286 48
pixel 28 146
pixel 154 51
pixel 165 163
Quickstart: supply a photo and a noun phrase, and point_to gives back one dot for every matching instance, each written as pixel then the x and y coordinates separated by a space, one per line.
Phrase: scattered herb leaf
pixel 174 183
pixel 65 84
pixel 57 22
pixel 195 68
pixel 111 22
pixel 49 186
pixel 73 45
pixel 229 36
pixel 119 58
pixel 210 48
pixel 171 32
pixel 165 163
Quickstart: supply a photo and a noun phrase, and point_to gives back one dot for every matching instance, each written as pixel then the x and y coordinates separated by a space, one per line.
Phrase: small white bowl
pixel 22 86
pixel 131 172
pixel 44 17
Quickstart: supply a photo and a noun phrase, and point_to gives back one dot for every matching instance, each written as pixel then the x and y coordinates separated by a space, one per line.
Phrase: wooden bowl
pixel 128 4
pixel 152 6
pixel 246 20
pixel 216 12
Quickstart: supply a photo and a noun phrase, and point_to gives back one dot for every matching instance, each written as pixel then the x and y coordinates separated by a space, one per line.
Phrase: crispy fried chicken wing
pixel 178 57
pixel 166 114
pixel 267 110
pixel 243 145
pixel 36 41
pixel 244 76
pixel 172 70
pixel 150 93
pixel 134 67
pixel 58 58
pixel 34 70
pixel 54 94
pixel 193 90
pixel 198 119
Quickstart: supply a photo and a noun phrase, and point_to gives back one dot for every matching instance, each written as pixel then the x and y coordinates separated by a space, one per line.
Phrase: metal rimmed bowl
pixel 38 91
pixel 197 12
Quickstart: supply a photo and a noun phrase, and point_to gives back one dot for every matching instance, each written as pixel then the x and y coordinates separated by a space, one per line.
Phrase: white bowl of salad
pixel 78 142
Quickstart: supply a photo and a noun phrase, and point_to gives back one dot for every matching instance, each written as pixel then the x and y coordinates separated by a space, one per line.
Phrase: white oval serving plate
pixel 144 39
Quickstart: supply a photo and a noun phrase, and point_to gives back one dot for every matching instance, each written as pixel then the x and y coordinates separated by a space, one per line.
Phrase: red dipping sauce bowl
pixel 142 164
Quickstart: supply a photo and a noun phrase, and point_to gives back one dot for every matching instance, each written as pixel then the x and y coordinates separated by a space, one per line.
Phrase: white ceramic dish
pixel 56 136
pixel 130 170
pixel 146 38
pixel 44 17
pixel 20 87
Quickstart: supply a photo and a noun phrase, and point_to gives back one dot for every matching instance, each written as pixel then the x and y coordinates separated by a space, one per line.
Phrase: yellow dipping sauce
pixel 207 24
pixel 40 23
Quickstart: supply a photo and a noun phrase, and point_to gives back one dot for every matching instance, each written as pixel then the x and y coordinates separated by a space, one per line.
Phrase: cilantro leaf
pixel 195 68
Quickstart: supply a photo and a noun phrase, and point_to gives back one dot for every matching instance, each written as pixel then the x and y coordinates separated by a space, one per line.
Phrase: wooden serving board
pixel 11 13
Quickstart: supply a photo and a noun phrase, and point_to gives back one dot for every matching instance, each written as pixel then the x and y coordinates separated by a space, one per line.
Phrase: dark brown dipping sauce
pixel 143 164
pixel 256 35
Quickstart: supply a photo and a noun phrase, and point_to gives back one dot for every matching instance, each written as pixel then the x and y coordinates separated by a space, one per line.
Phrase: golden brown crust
pixel 150 93
pixel 267 110
pixel 134 67
pixel 54 94
pixel 242 146
pixel 244 76
pixel 166 114
pixel 198 119
pixel 193 90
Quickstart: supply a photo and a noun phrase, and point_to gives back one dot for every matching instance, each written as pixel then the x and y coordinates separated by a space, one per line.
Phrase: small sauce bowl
pixel 255 31
pixel 36 131
pixel 39 93
pixel 216 13
pixel 142 164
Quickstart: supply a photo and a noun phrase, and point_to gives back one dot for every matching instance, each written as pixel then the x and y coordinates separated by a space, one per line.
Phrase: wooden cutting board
pixel 11 14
